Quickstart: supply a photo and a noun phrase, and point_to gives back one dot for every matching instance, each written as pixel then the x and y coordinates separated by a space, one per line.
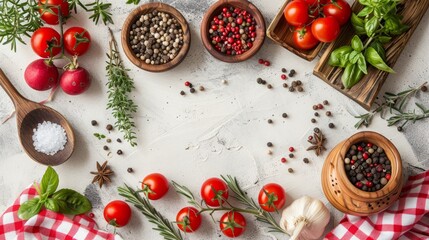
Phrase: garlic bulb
pixel 306 218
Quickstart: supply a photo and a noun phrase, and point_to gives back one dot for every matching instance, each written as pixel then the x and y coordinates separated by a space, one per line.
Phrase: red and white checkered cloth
pixel 47 224
pixel 407 218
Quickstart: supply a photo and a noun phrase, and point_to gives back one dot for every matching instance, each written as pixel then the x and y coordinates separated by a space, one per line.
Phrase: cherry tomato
pixel 46 42
pixel 155 185
pixel 50 15
pixel 232 224
pixel 296 13
pixel 312 3
pixel 117 213
pixel 325 29
pixel 214 191
pixel 188 219
pixel 304 39
pixel 272 197
pixel 76 40
pixel 338 9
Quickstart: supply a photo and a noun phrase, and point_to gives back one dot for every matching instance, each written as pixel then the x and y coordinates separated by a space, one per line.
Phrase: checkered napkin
pixel 47 224
pixel 407 218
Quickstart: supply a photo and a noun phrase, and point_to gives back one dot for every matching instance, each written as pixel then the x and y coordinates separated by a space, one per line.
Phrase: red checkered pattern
pixel 47 224
pixel 407 218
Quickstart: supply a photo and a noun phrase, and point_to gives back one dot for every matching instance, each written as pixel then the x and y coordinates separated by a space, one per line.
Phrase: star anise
pixel 317 142
pixel 103 174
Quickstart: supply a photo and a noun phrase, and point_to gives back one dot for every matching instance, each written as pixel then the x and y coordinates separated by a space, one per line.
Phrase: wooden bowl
pixel 280 31
pixel 214 10
pixel 132 18
pixel 349 199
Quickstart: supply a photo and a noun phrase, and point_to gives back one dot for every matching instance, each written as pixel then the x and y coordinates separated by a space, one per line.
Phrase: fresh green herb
pixel 99 136
pixel 164 226
pixel 97 9
pixel 65 201
pixel 376 23
pixel 133 2
pixel 395 104
pixel 120 85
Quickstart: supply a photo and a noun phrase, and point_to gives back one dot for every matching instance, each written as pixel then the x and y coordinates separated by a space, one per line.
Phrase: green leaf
pixel 50 181
pixel 379 48
pixel 71 202
pixel 352 75
pixel 384 39
pixel 362 63
pixel 353 57
pixel 52 204
pixel 357 44
pixel 373 58
pixel 365 11
pixel 30 208
pixel 393 25
pixel 371 25
pixel 358 24
pixel 339 56
pixel 365 2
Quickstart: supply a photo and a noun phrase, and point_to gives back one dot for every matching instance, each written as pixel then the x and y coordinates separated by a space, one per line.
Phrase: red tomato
pixel 50 15
pixel 188 219
pixel 304 39
pixel 338 9
pixel 325 29
pixel 214 191
pixel 296 13
pixel 232 224
pixel 76 40
pixel 117 213
pixel 155 186
pixel 312 3
pixel 46 42
pixel 272 197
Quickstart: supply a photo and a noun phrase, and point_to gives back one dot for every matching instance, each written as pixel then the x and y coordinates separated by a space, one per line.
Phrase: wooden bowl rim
pixel 167 9
pixel 257 44
pixel 396 164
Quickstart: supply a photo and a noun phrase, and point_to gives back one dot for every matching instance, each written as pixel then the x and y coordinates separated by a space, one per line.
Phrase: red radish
pixel 41 75
pixel 75 80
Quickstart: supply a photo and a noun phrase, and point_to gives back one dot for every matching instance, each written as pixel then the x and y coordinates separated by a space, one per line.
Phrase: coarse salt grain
pixel 49 138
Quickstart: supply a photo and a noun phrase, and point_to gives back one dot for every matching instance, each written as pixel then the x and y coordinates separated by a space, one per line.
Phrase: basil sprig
pixel 65 201
pixel 376 24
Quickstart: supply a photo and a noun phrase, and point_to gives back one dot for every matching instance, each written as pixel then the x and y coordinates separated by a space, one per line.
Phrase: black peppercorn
pixel 400 129
pixel 269 144
pixel 316 130
pixel 270 121
pixel 291 155
pixel 328 113
pixel 290 170
pixel 94 123
pixel 285 85
pixel 424 88
pixel 284 115
pixel 259 80
pixel 316 114
pixel 325 102
pixel 109 127
pixel 331 125
pixel 106 148
pixel 192 90
pixel 119 140
pixel 305 160
pixel 300 89
pixel 284 70
pixel 202 88
pixel 291 89
pixel 269 86
pixel 108 140
pixel 315 107
pixel 130 170
pixel 313 120
pixel 182 93
pixel 299 83
pixel 119 152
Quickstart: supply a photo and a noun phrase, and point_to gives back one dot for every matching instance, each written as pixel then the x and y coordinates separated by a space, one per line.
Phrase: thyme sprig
pixel 394 104
pixel 250 205
pixel 120 85
pixel 164 226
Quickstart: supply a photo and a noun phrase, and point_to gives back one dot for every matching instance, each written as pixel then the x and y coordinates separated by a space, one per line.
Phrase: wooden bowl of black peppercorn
pixel 347 196
pixel 150 43
pixel 219 49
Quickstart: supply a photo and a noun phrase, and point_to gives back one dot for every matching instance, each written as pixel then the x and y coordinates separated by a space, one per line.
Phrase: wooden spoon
pixel 28 115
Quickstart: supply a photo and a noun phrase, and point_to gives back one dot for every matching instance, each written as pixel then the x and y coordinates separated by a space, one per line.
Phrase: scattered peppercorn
pixel 313 120
pixel 283 76
pixel 259 80
pixel 291 149
pixel 310 138
pixel 424 88
pixel 292 73
pixel 269 144
pixel 316 130
pixel 299 83
pixel 325 102
pixel 224 81
pixel 182 93
pixel 192 90
pixel 94 123
pixel 119 140
pixel 106 148
pixel 202 88
pixel 261 61
pixel 269 86
pixel 319 106
pixel 328 113
pixel 305 160
pixel 188 84
pixel 285 85
pixel 267 63
pixel 399 129
pixel 130 170
pixel 316 114
pixel 269 152
pixel 290 170
pixel 270 121
pixel 264 82
pixel 284 70
pixel 291 155
pixel 109 127
pixel 291 89
pixel 300 89
pixel 331 125
pixel 294 84
pixel 284 115
pixel 108 140
pixel 315 107
pixel 283 160
pixel 119 152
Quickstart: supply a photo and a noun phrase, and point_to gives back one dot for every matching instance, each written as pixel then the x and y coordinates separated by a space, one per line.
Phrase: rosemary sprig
pixel 120 85
pixel 99 10
pixel 164 226
pixel 408 116
pixel 133 1
pixel 392 102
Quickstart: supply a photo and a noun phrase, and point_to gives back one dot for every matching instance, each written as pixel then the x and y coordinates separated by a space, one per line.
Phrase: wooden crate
pixel 366 91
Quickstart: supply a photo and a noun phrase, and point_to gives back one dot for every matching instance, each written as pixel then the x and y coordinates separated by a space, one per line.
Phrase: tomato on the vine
pixel 46 42
pixel 155 186
pixel 188 219
pixel 232 224
pixel 296 13
pixel 325 29
pixel 272 197
pixel 339 9
pixel 48 10
pixel 304 39
pixel 76 40
pixel 214 192
pixel 117 213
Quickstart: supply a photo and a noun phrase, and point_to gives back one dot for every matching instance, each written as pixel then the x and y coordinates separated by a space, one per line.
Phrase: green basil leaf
pixel 365 2
pixel 362 63
pixel 49 182
pixel 336 57
pixel 371 25
pixel 30 208
pixel 358 24
pixel 379 48
pixel 373 58
pixel 393 25
pixel 72 202
pixel 353 57
pixel 352 75
pixel 357 44
pixel 384 39
pixel 52 204
pixel 365 11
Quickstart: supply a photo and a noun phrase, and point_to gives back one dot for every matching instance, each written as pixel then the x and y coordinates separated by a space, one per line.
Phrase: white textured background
pixel 223 130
